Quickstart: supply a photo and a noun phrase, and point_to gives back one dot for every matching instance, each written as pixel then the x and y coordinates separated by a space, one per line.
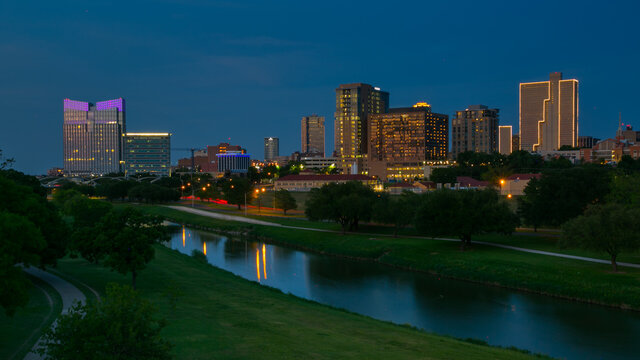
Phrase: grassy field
pixel 19 333
pixel 566 278
pixel 222 316
pixel 545 240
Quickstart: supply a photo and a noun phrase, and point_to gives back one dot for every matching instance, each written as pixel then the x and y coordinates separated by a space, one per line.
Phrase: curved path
pixel 515 248
pixel 69 294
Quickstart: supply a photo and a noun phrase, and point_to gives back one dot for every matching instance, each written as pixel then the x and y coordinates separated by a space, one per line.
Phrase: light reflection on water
pixel 464 310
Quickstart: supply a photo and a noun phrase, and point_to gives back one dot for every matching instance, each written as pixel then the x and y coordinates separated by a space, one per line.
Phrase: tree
pixel 152 193
pixel 399 212
pixel 562 194
pixel 208 192
pixel 124 239
pixel 625 190
pixel 610 228
pixel 236 190
pixel 285 201
pixel 347 204
pixel 85 212
pixel 121 326
pixel 31 233
pixel 464 213
pixel 20 243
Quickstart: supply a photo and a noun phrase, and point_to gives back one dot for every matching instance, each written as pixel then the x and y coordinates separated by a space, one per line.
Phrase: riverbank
pixel 564 278
pixel 222 316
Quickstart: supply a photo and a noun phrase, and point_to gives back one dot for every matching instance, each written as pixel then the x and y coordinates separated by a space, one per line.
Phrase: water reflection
pixel 465 310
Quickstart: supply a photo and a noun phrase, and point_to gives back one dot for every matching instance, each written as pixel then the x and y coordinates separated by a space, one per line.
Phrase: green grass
pixel 566 278
pixel 222 316
pixel 19 333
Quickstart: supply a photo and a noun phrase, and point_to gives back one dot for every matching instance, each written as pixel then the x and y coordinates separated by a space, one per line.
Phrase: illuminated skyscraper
pixel 402 139
pixel 475 129
pixel 549 114
pixel 271 148
pixel 354 103
pixel 313 135
pixel 92 136
pixel 505 139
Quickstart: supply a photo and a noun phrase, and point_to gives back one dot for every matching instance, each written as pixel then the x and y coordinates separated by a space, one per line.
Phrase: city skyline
pixel 198 90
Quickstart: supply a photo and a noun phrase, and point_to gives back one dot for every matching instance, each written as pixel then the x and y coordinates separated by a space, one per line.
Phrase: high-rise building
pixel 354 103
pixel 505 139
pixel 549 114
pixel 147 153
pixel 475 129
pixel 313 135
pixel 271 148
pixel 515 142
pixel 92 136
pixel 404 138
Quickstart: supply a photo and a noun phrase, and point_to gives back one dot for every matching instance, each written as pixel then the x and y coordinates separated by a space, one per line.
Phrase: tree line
pixel 439 213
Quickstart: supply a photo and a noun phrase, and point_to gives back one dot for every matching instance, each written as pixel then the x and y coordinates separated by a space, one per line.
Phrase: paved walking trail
pixel 69 294
pixel 515 248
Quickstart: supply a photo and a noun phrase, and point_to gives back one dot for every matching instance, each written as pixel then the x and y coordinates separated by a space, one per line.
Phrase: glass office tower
pixel 92 137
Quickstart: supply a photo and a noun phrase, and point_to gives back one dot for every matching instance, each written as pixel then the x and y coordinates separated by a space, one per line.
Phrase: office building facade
pixel 233 162
pixel 354 103
pixel 587 141
pixel 549 114
pixel 92 137
pixel 312 135
pixel 475 129
pixel 148 153
pixel 403 139
pixel 271 148
pixel 505 139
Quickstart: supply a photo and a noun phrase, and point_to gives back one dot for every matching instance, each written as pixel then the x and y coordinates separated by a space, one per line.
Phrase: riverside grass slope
pixel 565 278
pixel 222 316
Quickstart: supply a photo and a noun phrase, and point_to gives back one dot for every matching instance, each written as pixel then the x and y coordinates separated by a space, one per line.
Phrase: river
pixel 498 316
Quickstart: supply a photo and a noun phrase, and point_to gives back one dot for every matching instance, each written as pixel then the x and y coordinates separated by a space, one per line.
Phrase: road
pixel 515 248
pixel 69 294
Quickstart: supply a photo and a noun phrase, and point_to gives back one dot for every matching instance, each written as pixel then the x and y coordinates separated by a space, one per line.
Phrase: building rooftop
pixel 324 177
pixel 524 176
pixel 466 181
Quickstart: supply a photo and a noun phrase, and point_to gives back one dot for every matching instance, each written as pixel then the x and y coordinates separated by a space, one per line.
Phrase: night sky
pixel 208 71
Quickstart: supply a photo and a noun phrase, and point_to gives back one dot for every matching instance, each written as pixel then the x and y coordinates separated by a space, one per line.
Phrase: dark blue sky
pixel 207 71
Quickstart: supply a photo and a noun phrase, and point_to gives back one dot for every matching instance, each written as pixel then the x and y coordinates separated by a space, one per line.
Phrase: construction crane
pixel 193 163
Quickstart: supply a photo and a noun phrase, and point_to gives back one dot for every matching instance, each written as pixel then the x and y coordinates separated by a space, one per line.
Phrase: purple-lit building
pixel 93 137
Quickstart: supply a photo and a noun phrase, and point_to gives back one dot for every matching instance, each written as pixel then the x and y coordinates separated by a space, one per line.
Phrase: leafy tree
pixel 236 190
pixel 85 212
pixel 625 190
pixel 208 192
pixel 559 162
pixel 123 239
pixel 398 212
pixel 152 193
pixel 611 228
pixel 521 161
pixel 5 163
pixel 115 189
pixel 560 195
pixel 444 175
pixel 464 213
pixel 347 204
pixel 285 201
pixel 627 165
pixel 31 233
pixel 121 326
pixel 20 243
pixel 253 174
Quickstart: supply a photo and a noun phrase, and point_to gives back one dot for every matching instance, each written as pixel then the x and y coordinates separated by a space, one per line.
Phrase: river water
pixel 465 310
